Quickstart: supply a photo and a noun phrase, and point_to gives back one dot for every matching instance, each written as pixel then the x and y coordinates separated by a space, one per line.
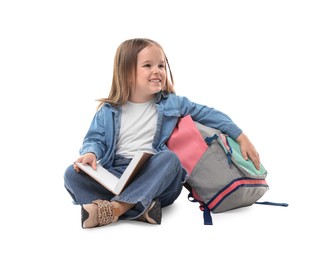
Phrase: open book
pixel 110 181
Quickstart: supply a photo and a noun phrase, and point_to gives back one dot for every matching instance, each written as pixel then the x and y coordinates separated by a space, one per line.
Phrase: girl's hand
pixel 88 158
pixel 248 150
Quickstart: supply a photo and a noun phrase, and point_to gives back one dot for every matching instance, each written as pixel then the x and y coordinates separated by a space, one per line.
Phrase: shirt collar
pixel 160 95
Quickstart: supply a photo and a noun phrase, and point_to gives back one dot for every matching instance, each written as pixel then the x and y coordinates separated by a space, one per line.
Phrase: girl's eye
pixel 147 65
pixel 161 66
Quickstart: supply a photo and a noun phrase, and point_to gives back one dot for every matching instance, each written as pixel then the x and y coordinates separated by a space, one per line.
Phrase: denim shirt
pixel 103 133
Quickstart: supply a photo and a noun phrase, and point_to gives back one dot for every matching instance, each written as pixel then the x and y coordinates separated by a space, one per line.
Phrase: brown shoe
pixel 153 214
pixel 98 213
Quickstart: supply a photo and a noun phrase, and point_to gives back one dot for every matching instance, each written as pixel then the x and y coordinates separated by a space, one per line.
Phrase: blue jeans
pixel 160 178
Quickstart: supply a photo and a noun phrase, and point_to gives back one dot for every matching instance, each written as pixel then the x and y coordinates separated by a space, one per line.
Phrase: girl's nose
pixel 156 70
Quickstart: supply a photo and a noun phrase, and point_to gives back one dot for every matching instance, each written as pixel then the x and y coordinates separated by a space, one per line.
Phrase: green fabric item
pixel 241 162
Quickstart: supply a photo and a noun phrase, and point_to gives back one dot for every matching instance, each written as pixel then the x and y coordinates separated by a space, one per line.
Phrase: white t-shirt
pixel 138 126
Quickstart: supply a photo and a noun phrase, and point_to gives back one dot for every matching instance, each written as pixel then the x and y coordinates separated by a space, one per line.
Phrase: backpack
pixel 219 178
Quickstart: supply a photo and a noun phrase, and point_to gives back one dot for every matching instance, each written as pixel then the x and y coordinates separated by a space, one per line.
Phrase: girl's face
pixel 150 74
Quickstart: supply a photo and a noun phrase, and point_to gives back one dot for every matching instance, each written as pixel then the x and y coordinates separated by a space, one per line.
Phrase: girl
pixel 139 113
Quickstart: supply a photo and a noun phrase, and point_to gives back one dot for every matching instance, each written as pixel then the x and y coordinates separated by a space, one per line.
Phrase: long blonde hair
pixel 124 72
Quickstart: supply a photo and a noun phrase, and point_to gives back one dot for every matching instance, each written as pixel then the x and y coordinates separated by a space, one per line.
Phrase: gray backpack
pixel 220 179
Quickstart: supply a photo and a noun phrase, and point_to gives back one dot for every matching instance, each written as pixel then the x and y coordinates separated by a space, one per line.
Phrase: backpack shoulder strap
pixel 282 204
pixel 207 215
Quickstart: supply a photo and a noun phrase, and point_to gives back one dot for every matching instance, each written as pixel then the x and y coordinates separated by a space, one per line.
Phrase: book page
pixel 110 181
pixel 101 175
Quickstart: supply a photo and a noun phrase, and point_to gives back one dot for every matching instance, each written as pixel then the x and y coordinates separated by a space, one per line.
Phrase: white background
pixel 261 62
